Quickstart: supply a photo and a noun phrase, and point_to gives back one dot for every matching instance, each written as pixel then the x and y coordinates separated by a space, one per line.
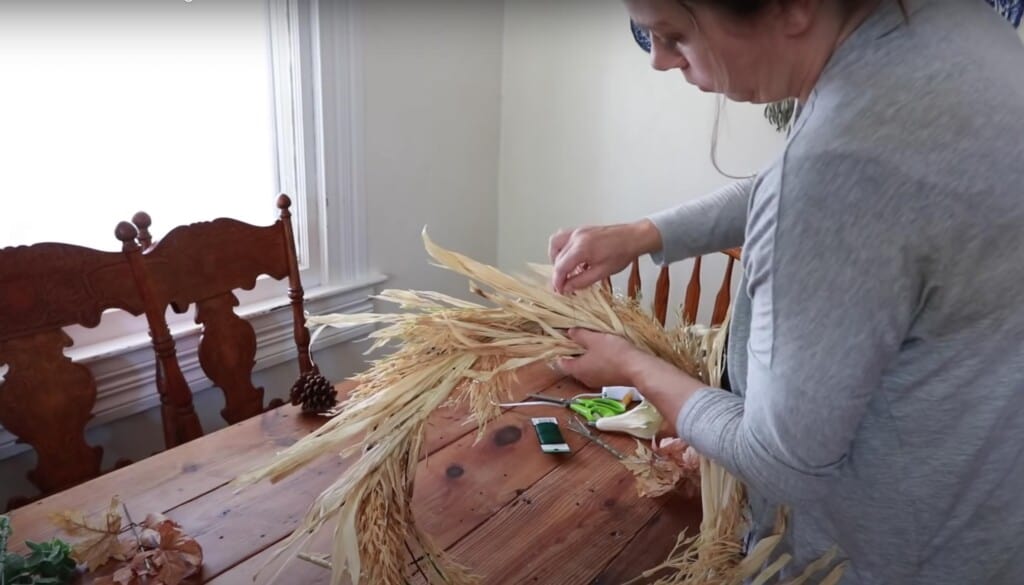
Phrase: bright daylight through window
pixel 184 110
pixel 162 106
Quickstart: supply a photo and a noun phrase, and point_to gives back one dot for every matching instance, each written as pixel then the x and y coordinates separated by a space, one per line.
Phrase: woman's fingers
pixel 603 360
pixel 585 276
pixel 583 336
pixel 585 255
pixel 567 264
pixel 557 242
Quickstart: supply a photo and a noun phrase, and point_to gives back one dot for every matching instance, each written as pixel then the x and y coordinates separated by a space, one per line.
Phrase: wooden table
pixel 501 507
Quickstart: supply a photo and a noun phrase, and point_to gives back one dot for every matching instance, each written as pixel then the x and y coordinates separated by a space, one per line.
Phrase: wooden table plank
pixel 461 485
pixel 567 527
pixel 233 527
pixel 501 506
pixel 654 541
pixel 451 480
pixel 447 507
pixel 171 477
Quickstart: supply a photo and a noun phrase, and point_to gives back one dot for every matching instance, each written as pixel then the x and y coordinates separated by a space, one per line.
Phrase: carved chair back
pixel 691 300
pixel 46 399
pixel 203 264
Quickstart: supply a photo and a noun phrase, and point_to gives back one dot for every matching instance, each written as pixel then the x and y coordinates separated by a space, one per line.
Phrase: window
pixel 189 110
pixel 115 107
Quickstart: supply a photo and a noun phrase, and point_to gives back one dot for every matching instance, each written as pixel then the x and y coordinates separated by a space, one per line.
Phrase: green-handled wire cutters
pixel 590 407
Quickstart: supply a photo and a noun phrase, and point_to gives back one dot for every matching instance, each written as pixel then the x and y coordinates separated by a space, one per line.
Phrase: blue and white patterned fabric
pixel 1013 10
pixel 641 36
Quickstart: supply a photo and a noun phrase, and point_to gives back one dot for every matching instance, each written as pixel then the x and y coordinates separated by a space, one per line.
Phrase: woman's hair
pixel 749 8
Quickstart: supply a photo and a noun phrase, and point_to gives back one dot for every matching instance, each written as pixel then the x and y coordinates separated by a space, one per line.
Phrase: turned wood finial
pixel 143 222
pixel 284 203
pixel 126 233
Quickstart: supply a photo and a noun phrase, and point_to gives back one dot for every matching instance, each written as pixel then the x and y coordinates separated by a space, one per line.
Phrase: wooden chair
pixel 45 398
pixel 202 264
pixel 691 300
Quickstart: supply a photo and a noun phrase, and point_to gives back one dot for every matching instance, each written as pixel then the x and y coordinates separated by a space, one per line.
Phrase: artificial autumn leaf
pixel 179 556
pixel 656 475
pixel 687 458
pixel 100 543
pixel 128 574
pixel 123 576
pixel 168 556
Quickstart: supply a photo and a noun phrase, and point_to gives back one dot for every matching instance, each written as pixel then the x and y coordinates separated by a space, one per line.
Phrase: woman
pixel 877 344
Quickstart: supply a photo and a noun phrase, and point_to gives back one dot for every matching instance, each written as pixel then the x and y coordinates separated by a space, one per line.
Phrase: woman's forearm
pixel 714 222
pixel 664 385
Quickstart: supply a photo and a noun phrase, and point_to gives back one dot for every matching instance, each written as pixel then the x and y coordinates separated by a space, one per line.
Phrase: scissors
pixel 589 406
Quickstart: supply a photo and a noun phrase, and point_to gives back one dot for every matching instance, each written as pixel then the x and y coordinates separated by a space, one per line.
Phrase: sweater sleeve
pixel 832 294
pixel 711 223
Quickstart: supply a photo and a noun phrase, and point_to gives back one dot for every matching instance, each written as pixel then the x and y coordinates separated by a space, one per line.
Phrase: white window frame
pixel 317 68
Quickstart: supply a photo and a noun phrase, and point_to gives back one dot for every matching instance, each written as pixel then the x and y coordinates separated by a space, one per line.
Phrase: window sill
pixel 125 371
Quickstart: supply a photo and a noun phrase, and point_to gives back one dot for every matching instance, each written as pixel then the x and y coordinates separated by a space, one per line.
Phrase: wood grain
pixel 633 285
pixel 501 506
pixel 654 541
pixel 661 289
pixel 202 264
pixel 691 302
pixel 457 489
pixel 45 399
pixel 567 526
pixel 165 480
pixel 724 296
pixel 461 483
pixel 178 415
pixel 230 526
pixel 227 354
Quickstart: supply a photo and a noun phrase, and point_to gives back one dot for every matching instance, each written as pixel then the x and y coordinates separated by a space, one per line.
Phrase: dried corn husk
pixel 450 350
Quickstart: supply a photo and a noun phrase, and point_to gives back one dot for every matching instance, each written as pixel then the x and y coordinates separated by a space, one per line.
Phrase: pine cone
pixel 314 392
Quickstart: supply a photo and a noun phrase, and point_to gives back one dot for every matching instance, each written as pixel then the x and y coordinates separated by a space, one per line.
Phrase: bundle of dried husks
pixel 451 350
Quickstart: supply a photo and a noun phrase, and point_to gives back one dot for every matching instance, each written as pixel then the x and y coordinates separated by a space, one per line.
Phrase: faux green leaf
pixel 48 563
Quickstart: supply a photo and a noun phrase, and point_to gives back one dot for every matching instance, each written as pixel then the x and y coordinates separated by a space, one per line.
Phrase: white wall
pixel 432 97
pixel 433 87
pixel 592 134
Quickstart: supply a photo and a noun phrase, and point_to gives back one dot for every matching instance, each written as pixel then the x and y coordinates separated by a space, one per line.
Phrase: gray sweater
pixel 877 342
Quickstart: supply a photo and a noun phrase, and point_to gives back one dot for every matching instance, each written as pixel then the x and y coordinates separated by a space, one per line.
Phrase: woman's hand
pixel 610 360
pixel 586 255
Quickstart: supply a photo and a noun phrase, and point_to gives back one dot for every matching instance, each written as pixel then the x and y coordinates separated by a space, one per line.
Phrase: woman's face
pixel 715 51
